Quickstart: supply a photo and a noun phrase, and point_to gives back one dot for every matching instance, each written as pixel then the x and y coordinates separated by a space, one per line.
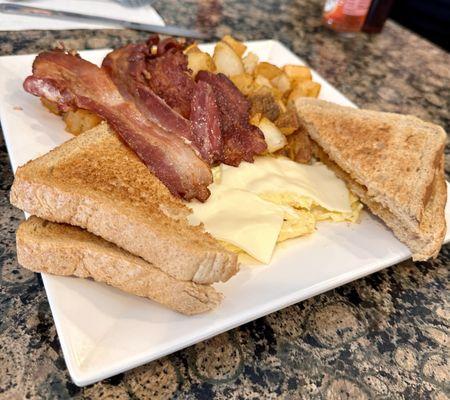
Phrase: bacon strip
pixel 241 140
pixel 205 120
pixel 168 77
pixel 72 82
pixel 218 111
pixel 127 68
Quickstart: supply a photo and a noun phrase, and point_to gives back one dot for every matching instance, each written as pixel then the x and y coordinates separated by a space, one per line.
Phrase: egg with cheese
pixel 256 205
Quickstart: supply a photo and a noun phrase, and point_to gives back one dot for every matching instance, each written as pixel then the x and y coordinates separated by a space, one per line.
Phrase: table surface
pixel 385 336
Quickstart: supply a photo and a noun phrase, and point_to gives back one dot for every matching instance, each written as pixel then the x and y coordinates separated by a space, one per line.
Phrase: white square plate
pixel 104 331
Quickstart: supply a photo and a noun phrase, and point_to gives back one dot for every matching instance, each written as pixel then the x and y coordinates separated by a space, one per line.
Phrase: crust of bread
pixel 97 183
pixel 377 148
pixel 61 249
pixel 424 241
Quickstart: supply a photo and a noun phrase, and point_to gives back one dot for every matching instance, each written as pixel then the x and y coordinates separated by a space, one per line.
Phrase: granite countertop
pixel 384 337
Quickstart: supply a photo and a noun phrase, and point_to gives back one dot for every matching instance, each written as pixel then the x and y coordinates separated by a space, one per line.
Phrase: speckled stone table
pixel 384 337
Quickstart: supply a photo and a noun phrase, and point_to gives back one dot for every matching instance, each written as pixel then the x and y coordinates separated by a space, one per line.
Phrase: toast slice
pixel 61 249
pixel 97 183
pixel 393 163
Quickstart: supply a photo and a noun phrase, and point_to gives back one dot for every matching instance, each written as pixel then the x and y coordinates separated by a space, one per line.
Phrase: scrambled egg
pixel 304 213
pixel 256 205
pixel 301 221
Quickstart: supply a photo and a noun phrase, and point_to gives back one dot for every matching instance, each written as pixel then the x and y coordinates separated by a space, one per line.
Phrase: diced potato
pixel 268 70
pixel 281 104
pixel 270 89
pixel 298 73
pixel 227 61
pixel 192 48
pixel 288 121
pixel 80 121
pixel 198 61
pixel 304 89
pixel 254 120
pixel 274 138
pixel 77 121
pixel 299 147
pixel 282 83
pixel 264 102
pixel 295 94
pixel 238 47
pixel 261 80
pixel 250 62
pixel 244 82
pixel 312 88
pixel 51 106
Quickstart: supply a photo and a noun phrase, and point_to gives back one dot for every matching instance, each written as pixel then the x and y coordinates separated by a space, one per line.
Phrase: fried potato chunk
pixel 274 138
pixel 238 47
pixel 282 83
pixel 298 73
pixel 77 121
pixel 264 102
pixel 198 61
pixel 80 121
pixel 267 70
pixel 298 147
pixel 244 82
pixel 50 106
pixel 304 89
pixel 250 62
pixel 288 121
pixel 227 61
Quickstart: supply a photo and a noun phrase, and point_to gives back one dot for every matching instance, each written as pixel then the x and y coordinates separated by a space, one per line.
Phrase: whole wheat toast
pixel 61 249
pixel 96 182
pixel 424 241
pixel 392 162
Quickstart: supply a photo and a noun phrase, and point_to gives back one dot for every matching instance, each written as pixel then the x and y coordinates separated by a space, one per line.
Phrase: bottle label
pixel 356 8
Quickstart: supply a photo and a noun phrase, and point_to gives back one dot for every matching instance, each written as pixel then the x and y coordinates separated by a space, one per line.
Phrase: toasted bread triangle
pixel 393 162
pixel 97 183
pixel 61 249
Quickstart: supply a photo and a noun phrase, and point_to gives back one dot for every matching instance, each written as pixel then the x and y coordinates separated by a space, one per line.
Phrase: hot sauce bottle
pixel 356 15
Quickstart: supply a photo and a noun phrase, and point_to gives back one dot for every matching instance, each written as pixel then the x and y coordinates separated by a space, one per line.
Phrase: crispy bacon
pixel 162 46
pixel 127 68
pixel 205 120
pixel 241 140
pixel 72 82
pixel 218 111
pixel 168 44
pixel 168 77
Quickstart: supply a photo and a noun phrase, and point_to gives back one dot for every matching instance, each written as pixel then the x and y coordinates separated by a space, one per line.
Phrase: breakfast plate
pixel 104 331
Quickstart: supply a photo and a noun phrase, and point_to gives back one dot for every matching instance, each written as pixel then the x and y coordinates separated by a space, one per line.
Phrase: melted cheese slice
pixel 241 218
pixel 237 213
pixel 268 175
